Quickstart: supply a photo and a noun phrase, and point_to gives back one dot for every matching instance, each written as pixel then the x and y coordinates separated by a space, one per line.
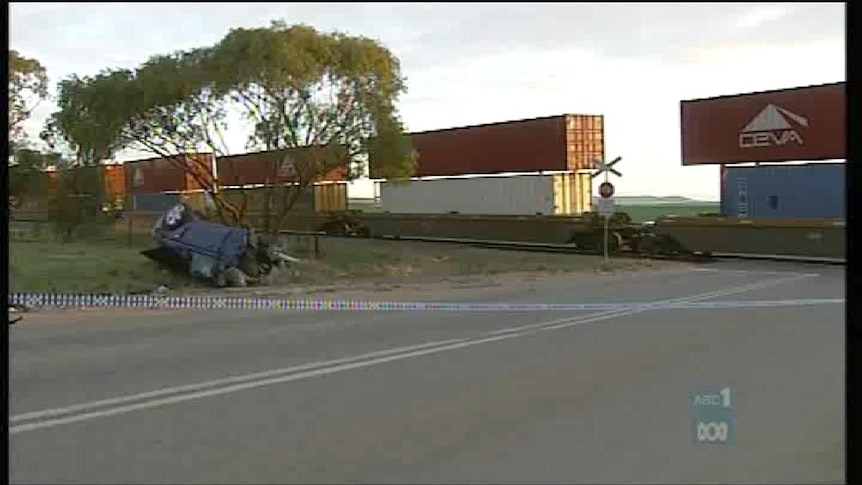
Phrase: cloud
pixel 761 15
pixel 478 63
pixel 425 36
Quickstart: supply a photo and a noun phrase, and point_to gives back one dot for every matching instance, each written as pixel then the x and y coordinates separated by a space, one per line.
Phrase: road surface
pixel 536 396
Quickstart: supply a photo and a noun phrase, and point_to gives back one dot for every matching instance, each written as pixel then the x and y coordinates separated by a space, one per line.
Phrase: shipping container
pixel 112 175
pixel 197 200
pixel 330 197
pixel 551 144
pixel 272 167
pixel 802 124
pixel 178 174
pixel 323 197
pixel 53 179
pixel 546 194
pixel 155 202
pixel 115 181
pixel 811 191
pixel 255 199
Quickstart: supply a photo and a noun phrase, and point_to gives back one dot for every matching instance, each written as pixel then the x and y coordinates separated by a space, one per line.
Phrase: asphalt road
pixel 447 396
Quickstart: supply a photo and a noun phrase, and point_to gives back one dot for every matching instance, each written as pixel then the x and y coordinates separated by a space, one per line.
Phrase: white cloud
pixel 472 63
pixel 761 15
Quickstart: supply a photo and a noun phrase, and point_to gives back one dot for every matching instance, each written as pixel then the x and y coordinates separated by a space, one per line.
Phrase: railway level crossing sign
pixel 606 193
pixel 605 168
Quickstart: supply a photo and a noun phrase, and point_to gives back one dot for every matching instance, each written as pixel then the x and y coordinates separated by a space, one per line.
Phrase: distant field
pixel 364 205
pixel 638 210
pixel 643 213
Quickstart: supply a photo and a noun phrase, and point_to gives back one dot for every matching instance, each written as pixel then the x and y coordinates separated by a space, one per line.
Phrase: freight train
pixel 667 236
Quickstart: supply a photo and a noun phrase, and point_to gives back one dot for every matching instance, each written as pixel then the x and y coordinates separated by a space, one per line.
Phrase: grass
pixel 358 259
pixel 83 267
pixel 110 260
pixel 111 267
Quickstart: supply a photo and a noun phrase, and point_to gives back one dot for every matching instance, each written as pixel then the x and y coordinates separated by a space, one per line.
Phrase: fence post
pixel 129 234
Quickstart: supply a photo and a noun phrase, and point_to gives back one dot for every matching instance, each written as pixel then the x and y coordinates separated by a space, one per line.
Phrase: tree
pixel 88 125
pixel 28 84
pixel 27 173
pixel 77 201
pixel 324 101
pixel 163 108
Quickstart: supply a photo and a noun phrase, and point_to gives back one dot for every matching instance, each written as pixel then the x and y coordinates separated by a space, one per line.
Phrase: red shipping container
pixel 277 166
pixel 181 173
pixel 800 124
pixel 557 143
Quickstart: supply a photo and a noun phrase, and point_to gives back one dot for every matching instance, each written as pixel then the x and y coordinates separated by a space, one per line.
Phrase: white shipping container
pixel 546 194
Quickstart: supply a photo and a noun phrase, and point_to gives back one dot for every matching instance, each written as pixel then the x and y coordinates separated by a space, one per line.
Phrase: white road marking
pixel 235 384
pixel 218 382
pixel 751 271
pixel 662 303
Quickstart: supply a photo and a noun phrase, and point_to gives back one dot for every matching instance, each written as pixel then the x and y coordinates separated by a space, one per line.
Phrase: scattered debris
pixel 217 253
pixel 15 309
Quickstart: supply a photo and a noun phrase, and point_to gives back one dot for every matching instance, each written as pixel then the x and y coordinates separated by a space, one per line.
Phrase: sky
pixel 483 63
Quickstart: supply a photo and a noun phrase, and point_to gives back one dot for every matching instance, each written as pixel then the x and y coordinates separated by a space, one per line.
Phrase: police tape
pixel 30 300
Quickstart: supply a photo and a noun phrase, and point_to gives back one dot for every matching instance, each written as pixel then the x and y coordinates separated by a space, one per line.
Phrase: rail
pixel 571 249
pixel 533 246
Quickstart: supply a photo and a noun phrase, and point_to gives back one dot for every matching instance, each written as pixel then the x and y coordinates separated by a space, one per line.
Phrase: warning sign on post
pixel 606 207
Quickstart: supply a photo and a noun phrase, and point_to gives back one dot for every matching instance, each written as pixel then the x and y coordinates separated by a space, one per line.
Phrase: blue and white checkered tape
pixel 40 300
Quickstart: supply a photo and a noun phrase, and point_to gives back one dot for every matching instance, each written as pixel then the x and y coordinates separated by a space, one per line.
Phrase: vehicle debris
pixel 217 253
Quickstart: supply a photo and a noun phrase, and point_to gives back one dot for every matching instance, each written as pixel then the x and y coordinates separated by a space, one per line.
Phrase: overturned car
pixel 219 254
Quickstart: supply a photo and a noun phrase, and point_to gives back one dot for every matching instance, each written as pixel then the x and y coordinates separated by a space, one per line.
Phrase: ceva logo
pixel 772 127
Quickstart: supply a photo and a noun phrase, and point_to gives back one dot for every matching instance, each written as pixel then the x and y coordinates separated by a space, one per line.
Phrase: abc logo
pixel 711 432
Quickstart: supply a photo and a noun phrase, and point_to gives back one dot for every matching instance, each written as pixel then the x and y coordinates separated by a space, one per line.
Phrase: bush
pixel 77 203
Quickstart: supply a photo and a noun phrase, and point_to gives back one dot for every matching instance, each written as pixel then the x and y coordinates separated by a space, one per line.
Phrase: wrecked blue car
pixel 220 254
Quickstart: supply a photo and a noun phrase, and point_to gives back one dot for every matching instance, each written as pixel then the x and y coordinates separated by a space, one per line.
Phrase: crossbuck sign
pixel 605 168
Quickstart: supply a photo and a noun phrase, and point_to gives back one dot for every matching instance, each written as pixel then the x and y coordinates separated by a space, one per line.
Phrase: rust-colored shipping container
pixel 801 124
pixel 155 175
pixel 53 179
pixel 271 167
pixel 115 181
pixel 557 143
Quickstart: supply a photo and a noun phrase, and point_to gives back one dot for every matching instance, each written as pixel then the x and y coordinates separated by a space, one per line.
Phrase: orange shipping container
pixel 801 124
pixel 53 179
pixel 558 143
pixel 156 175
pixel 272 167
pixel 115 181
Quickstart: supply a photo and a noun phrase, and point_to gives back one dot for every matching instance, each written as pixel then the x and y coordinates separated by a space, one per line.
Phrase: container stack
pixel 156 184
pixel 526 167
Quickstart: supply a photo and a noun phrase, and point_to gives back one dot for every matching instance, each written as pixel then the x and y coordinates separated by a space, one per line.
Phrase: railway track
pixel 19 224
pixel 571 249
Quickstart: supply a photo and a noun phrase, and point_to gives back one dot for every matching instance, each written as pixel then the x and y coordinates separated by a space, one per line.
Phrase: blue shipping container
pixel 155 202
pixel 813 191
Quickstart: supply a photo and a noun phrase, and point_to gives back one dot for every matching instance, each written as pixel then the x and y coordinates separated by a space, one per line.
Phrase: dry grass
pixel 359 259
pixel 105 264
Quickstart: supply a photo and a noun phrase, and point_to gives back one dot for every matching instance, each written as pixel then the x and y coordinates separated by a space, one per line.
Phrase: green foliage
pixel 28 83
pixel 77 201
pixel 27 175
pixel 301 88
pixel 89 121
pixel 327 98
